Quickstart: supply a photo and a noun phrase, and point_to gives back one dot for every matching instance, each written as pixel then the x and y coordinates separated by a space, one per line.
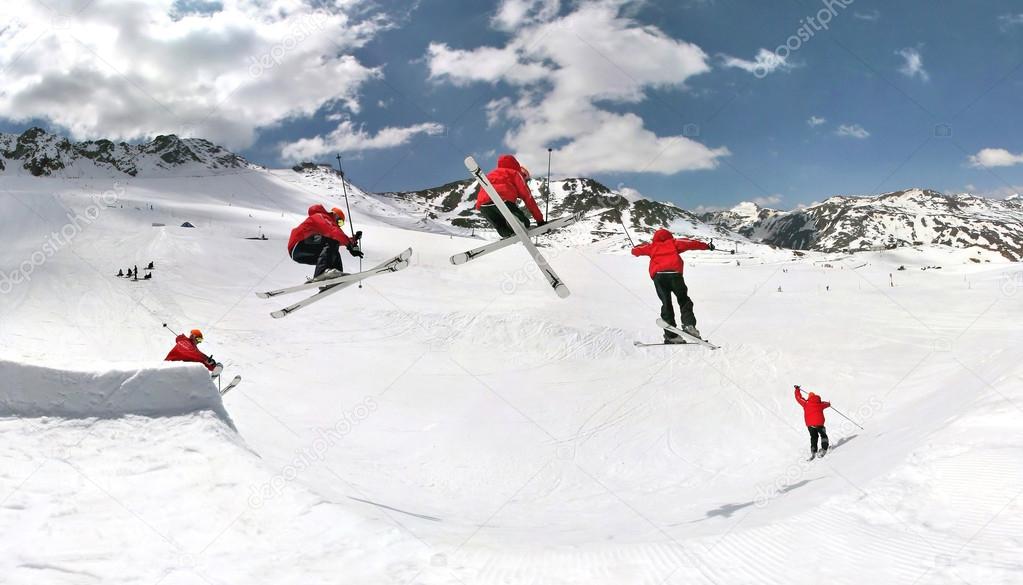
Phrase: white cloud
pixel 1009 21
pixel 763 64
pixel 815 121
pixel 768 200
pixel 562 69
pixel 852 131
pixel 513 14
pixel 995 157
pixel 913 65
pixel 349 138
pixel 124 69
pixel 872 16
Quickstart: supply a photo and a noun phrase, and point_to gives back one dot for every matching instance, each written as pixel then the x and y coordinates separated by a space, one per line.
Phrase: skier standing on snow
pixel 813 416
pixel 316 241
pixel 509 180
pixel 186 350
pixel 666 271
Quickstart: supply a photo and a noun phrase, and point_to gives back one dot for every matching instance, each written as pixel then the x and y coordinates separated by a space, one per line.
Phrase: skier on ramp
pixel 186 349
pixel 813 416
pixel 509 180
pixel 666 271
pixel 317 240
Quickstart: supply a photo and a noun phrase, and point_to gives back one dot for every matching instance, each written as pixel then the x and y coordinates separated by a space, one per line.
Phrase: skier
pixel 120 272
pixel 509 180
pixel 186 350
pixel 316 241
pixel 813 416
pixel 666 271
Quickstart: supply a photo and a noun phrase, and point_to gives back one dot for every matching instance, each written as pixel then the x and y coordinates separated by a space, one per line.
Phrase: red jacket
pixel 813 409
pixel 664 251
pixel 319 223
pixel 186 351
pixel 509 184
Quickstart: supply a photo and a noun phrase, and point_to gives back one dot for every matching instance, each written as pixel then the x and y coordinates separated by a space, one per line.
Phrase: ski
pixel 643 344
pixel 463 257
pixel 232 385
pixel 664 325
pixel 349 278
pixel 399 262
pixel 552 277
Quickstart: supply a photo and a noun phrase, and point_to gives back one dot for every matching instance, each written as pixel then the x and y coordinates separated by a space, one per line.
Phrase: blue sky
pixel 664 97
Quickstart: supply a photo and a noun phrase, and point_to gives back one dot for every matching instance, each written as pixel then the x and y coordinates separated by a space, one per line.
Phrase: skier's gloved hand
pixel 211 361
pixel 710 246
pixel 358 236
pixel 541 222
pixel 354 251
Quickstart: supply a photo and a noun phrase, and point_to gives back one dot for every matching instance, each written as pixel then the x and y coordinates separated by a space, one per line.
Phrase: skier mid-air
pixel 666 271
pixel 813 416
pixel 509 180
pixel 316 241
pixel 186 349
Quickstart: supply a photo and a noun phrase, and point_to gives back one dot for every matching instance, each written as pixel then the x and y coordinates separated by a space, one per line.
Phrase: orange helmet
pixel 337 211
pixel 196 335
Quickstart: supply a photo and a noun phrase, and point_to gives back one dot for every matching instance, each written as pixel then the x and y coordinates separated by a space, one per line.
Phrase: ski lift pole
pixel 348 208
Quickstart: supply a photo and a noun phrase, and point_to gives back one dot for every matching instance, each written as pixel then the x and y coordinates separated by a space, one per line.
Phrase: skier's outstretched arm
pixel 799 397
pixel 641 250
pixel 683 245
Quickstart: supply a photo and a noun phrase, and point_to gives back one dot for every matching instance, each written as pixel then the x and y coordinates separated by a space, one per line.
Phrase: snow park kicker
pixel 464 425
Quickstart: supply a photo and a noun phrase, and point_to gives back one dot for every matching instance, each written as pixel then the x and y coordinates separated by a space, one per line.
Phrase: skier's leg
pixel 662 284
pixel 518 213
pixel 685 304
pixel 329 257
pixel 824 439
pixel 308 250
pixel 493 215
pixel 813 440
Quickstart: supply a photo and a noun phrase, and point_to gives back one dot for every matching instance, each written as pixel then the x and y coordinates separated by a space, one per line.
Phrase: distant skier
pixel 186 350
pixel 316 242
pixel 813 416
pixel 150 265
pixel 120 272
pixel 509 180
pixel 666 271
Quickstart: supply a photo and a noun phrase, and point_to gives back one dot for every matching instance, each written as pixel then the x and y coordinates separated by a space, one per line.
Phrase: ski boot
pixel 692 330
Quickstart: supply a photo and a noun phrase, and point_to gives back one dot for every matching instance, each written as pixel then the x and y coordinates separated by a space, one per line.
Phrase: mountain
pixel 912 217
pixel 40 153
pixel 454 204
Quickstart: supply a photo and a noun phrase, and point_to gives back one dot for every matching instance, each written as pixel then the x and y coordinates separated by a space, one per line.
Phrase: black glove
pixel 211 361
pixel 357 236
pixel 710 246
pixel 354 251
pixel 541 222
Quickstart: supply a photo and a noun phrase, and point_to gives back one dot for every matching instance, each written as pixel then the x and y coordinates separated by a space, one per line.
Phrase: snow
pixel 464 425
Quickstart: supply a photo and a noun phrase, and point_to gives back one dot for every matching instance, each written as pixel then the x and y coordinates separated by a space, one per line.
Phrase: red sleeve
pixel 185 351
pixel 799 397
pixel 326 227
pixel 825 405
pixel 683 245
pixel 526 195
pixel 641 250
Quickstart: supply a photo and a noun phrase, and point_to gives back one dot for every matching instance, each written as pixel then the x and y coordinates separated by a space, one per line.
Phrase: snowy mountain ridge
pixel 911 217
pixel 39 153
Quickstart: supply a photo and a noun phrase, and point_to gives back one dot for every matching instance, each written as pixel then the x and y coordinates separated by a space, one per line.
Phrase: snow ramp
pixel 138 476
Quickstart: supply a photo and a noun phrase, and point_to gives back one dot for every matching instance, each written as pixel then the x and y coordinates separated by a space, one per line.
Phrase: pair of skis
pixel 690 339
pixel 333 285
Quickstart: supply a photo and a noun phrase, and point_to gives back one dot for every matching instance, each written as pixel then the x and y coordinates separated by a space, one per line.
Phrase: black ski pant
pixel 818 432
pixel 668 284
pixel 493 215
pixel 324 253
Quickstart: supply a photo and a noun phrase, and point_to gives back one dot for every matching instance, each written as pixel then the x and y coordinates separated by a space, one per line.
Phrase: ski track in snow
pixel 463 425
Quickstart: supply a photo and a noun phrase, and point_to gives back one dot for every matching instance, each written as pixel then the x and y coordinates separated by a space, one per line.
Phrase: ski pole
pixel 547 212
pixel 171 330
pixel 621 220
pixel 348 207
pixel 847 418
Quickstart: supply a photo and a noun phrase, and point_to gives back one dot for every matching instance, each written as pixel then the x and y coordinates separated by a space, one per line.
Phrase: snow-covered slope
pixel 464 425
pixel 914 217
